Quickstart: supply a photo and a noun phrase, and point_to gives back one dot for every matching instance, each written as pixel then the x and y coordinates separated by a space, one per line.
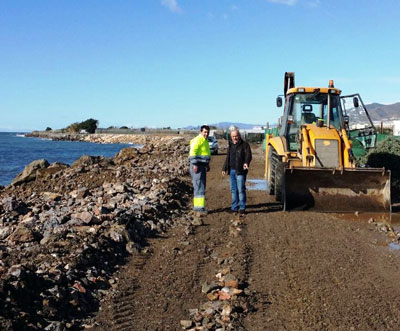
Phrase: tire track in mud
pixel 156 291
pixel 123 302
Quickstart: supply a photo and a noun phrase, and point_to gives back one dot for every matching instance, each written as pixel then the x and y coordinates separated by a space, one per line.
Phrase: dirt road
pixel 301 270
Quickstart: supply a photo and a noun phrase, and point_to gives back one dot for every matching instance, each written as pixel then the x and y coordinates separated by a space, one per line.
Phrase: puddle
pixel 394 246
pixel 256 184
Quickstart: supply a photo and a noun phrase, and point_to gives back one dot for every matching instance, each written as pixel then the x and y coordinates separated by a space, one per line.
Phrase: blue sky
pixel 175 63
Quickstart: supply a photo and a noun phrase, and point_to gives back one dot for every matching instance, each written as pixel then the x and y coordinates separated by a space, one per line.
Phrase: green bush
pixel 89 126
pixel 386 155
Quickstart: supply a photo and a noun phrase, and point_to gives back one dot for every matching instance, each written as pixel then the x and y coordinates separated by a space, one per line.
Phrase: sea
pixel 17 151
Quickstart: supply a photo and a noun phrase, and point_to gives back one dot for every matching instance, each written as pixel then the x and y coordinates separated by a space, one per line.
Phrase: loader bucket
pixel 333 190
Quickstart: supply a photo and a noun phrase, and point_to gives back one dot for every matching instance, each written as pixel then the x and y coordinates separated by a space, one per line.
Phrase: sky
pixel 160 63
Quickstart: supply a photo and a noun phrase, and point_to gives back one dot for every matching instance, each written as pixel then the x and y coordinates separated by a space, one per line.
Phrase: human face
pixel 204 133
pixel 235 136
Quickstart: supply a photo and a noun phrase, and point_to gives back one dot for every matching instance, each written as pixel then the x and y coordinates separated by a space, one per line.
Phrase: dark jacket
pixel 243 155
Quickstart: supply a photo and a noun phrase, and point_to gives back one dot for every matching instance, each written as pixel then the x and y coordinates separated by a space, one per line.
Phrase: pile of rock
pixel 383 226
pixel 226 298
pixel 65 229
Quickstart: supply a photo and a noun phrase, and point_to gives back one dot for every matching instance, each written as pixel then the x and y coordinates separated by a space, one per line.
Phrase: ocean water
pixel 16 151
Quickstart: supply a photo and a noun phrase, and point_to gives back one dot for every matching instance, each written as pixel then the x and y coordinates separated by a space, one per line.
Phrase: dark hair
pixel 205 127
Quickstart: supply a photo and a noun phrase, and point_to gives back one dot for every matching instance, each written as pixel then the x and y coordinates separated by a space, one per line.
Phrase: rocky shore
pixel 64 230
pixel 102 138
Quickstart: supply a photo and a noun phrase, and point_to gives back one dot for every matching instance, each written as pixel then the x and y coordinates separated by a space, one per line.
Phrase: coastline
pixel 104 138
pixel 69 228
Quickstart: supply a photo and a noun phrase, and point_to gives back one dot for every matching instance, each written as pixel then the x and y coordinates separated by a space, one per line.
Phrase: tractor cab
pixel 306 106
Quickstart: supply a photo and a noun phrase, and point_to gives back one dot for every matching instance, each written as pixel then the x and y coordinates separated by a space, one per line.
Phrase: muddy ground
pixel 299 270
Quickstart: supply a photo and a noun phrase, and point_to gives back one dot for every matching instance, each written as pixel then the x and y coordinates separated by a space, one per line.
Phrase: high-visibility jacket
pixel 199 150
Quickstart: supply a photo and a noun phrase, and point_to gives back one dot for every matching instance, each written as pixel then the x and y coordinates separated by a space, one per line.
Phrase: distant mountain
pixel 379 112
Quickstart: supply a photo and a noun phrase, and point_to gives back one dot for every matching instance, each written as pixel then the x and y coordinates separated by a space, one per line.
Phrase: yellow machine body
pixel 310 164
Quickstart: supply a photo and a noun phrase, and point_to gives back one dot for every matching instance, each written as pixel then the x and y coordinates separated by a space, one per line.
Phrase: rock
pixel 86 160
pixel 186 324
pixel 227 310
pixel 206 288
pixel 50 170
pixel 196 221
pixel 51 196
pixel 126 154
pixel 21 235
pixel 5 232
pixel 119 234
pixel 15 270
pixel 131 247
pixel 29 172
pixel 86 217
pixel 10 204
pixel 231 281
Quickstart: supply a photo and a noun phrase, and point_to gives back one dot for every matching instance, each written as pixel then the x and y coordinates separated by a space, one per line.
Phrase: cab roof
pixel 303 89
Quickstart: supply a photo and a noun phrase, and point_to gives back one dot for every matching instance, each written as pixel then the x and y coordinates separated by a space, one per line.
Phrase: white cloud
pixel 284 2
pixel 172 5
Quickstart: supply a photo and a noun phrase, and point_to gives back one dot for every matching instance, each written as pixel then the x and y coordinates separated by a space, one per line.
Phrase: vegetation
pixel 386 155
pixel 48 128
pixel 88 126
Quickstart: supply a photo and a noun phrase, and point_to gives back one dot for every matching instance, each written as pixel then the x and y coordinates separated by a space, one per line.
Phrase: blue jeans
pixel 238 190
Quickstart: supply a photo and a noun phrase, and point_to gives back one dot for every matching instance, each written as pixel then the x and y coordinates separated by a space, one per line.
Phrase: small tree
pixel 73 128
pixel 89 125
pixel 48 128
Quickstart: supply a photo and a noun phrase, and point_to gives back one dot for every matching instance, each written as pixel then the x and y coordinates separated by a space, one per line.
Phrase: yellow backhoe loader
pixel 310 164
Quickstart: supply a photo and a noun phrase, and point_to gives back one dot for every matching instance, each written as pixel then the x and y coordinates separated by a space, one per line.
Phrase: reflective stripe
pixel 199 202
pixel 199 159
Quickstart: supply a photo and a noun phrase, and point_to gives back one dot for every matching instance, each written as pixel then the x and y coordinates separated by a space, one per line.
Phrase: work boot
pixel 242 212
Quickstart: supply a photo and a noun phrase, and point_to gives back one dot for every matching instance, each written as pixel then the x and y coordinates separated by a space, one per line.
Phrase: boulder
pixel 21 235
pixel 126 154
pixel 30 172
pixel 86 160
pixel 51 169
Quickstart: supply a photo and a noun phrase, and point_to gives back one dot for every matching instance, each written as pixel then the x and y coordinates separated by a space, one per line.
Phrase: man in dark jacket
pixel 236 164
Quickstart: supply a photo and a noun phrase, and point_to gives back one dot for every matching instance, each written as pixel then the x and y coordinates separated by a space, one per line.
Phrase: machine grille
pixel 327 152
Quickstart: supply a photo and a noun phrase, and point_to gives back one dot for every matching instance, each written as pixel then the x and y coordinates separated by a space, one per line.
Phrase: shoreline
pixel 71 227
pixel 105 138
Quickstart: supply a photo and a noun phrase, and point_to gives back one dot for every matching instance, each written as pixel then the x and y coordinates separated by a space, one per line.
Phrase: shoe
pixel 232 211
pixel 242 212
pixel 202 211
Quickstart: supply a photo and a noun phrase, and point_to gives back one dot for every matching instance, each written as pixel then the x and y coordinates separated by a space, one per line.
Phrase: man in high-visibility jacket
pixel 199 157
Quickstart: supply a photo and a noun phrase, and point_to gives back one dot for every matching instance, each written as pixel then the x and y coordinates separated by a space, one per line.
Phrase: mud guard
pixel 333 190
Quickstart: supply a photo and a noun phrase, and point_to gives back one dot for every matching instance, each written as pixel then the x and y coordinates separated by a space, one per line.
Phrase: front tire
pixel 276 174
